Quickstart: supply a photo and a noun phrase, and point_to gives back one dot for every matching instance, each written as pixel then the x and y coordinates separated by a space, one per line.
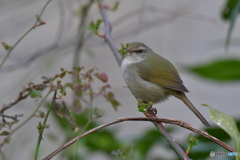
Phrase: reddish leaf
pixel 102 76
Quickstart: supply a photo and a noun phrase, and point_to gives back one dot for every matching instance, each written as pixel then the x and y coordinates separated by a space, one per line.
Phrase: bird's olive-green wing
pixel 162 73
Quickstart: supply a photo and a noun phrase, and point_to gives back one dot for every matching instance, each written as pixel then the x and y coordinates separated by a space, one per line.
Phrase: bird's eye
pixel 139 51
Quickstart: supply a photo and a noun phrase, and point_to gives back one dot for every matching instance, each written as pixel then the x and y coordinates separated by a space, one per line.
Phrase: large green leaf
pixel 228 124
pixel 229 8
pixel 233 12
pixel 220 70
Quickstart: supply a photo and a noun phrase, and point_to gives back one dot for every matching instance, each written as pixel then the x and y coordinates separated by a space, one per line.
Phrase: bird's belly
pixel 141 89
pixel 144 90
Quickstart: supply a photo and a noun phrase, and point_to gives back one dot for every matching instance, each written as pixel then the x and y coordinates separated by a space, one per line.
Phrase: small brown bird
pixel 152 78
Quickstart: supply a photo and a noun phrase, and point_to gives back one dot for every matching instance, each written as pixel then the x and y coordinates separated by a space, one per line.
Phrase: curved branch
pixel 151 119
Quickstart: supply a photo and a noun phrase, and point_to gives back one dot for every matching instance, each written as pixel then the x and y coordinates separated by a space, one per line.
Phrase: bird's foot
pixel 151 112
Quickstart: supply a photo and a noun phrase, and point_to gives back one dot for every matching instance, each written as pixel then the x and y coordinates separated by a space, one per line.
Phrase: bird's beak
pixel 129 51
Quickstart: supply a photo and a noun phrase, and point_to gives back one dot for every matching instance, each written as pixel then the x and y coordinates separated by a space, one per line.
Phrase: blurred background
pixel 192 35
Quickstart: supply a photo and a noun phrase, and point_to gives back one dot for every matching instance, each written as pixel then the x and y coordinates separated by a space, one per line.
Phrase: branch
pixel 107 35
pixel 23 95
pixel 151 119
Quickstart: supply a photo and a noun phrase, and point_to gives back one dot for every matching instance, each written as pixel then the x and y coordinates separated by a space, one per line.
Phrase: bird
pixel 152 78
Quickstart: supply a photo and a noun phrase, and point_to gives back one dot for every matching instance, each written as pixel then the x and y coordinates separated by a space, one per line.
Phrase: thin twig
pixel 24 122
pixel 2 155
pixel 151 119
pixel 172 142
pixel 36 24
pixel 24 94
pixel 82 29
pixel 61 26
pixel 27 60
pixel 14 118
pixel 43 126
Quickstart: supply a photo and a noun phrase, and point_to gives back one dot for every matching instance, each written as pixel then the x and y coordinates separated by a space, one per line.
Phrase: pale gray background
pixel 191 38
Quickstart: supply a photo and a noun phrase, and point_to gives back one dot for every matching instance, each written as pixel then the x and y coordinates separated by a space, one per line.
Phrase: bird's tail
pixel 184 98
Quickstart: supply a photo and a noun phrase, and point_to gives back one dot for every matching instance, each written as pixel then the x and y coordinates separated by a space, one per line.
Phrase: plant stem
pixel 82 29
pixel 173 143
pixel 107 36
pixel 44 124
pixel 24 122
pixel 25 34
pixel 2 156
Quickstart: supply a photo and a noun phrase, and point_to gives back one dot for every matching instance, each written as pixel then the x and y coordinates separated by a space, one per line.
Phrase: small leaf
pixel 115 6
pixel 220 70
pixel 69 85
pixel 41 114
pixel 62 74
pixel 34 93
pixel 227 123
pixel 123 50
pixel 99 21
pixel 78 69
pixel 4 133
pixel 94 26
pixel 6 46
pixel 79 81
pixel 112 100
pixel 192 141
pixel 102 76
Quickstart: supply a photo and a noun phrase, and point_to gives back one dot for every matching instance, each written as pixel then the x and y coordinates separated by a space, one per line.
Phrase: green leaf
pixel 94 26
pixel 229 8
pixel 34 93
pixel 110 98
pixel 123 50
pixel 227 123
pixel 99 21
pixel 63 74
pixel 233 17
pixel 115 6
pixel 69 85
pixel 192 140
pixel 4 133
pixel 220 70
pixel 6 46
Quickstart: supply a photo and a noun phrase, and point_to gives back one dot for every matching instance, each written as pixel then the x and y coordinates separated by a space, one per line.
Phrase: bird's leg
pixel 151 112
